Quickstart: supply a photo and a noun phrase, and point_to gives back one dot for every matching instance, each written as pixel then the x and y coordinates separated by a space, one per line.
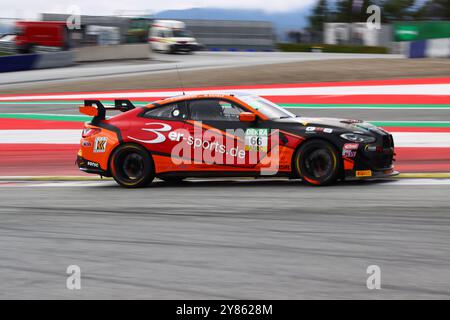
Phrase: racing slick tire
pixel 317 162
pixel 132 166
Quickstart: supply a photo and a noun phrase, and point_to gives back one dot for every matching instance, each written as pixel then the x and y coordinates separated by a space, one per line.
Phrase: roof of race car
pixel 201 96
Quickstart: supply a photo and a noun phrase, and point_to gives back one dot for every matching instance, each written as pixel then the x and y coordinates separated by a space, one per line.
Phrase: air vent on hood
pixel 350 121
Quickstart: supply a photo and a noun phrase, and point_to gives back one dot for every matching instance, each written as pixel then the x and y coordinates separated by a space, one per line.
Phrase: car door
pixel 159 130
pixel 221 140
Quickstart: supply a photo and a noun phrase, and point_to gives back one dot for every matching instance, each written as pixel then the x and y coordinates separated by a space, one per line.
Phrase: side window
pixel 161 34
pixel 175 111
pixel 214 109
pixel 230 110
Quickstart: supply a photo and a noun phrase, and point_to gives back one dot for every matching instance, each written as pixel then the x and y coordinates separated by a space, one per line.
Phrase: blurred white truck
pixel 171 36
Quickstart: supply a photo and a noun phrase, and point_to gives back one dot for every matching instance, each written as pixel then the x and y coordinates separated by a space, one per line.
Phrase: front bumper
pixel 352 175
pixel 184 47
pixel 373 161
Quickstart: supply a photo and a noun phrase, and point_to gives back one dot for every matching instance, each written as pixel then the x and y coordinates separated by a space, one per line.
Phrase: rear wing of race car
pixel 97 110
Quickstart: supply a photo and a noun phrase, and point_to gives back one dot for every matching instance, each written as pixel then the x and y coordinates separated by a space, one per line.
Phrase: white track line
pixel 424 89
pixel 72 184
pixel 418 182
pixel 422 139
pixel 52 136
pixel 83 184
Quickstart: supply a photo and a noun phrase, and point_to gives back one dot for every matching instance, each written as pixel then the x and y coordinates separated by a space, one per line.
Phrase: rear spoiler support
pixel 100 114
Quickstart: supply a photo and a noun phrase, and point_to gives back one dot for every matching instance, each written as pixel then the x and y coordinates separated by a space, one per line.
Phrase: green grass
pixel 300 47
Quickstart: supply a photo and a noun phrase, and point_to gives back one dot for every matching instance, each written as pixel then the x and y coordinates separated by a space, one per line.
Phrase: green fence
pixel 421 30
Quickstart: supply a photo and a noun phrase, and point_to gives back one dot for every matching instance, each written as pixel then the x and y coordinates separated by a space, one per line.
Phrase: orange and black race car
pixel 228 135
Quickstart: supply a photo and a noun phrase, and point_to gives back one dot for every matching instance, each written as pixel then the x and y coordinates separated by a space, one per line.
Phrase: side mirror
pixel 247 117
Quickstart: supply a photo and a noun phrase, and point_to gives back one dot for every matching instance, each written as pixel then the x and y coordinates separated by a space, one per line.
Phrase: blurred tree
pixel 295 36
pixel 352 10
pixel 434 10
pixel 344 11
pixel 391 10
pixel 394 10
pixel 319 16
pixel 317 19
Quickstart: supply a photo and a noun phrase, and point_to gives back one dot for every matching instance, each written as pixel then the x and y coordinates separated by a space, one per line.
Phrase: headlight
pixel 356 137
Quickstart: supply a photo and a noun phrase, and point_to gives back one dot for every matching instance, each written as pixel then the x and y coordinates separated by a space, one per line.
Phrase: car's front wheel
pixel 132 166
pixel 317 162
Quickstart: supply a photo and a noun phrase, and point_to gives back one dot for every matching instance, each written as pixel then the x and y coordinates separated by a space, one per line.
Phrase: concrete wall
pixel 107 21
pixel 233 35
pixel 357 33
pixel 55 60
pixel 113 52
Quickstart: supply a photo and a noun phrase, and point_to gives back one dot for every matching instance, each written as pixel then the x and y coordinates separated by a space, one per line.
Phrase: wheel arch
pixel 313 138
pixel 128 143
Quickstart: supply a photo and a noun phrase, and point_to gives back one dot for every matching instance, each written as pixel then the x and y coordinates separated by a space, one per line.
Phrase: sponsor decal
pixel 256 139
pixel 208 146
pixel 319 129
pixel 175 136
pixel 100 144
pixel 373 148
pixel 234 147
pixel 364 173
pixel 351 146
pixel 156 128
pixel 93 164
pixel 349 153
pixel 219 148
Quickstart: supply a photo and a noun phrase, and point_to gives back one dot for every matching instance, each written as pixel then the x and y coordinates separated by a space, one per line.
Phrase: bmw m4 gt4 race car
pixel 227 135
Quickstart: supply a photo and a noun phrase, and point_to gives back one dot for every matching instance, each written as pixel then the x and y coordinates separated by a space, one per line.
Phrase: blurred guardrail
pixel 432 48
pixel 36 61
pixel 20 62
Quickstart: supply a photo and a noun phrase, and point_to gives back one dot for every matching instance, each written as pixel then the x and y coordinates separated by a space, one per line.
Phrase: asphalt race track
pixel 240 239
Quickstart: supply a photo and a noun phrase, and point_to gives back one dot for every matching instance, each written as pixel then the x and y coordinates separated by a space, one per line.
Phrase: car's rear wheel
pixel 317 162
pixel 132 166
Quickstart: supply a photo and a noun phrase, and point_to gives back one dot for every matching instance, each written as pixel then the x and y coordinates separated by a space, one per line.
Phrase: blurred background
pixel 318 26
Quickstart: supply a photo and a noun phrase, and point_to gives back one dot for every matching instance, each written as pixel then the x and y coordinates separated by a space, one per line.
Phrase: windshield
pixel 180 33
pixel 266 107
